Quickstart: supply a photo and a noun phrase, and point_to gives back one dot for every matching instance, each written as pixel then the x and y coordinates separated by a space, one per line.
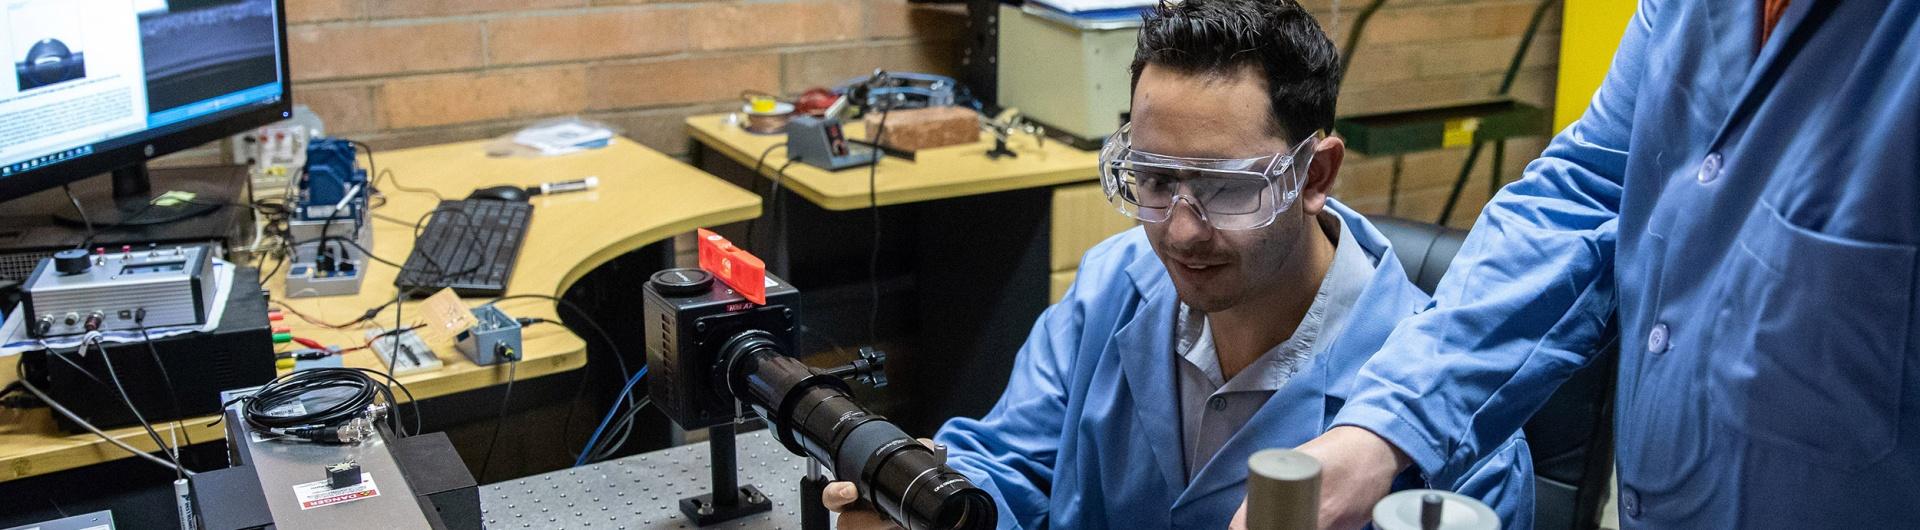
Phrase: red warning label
pixel 316 494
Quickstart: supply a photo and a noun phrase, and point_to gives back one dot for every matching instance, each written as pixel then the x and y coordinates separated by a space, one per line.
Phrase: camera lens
pixel 814 415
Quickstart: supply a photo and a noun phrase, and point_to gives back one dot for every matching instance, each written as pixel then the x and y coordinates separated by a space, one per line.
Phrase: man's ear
pixel 1325 167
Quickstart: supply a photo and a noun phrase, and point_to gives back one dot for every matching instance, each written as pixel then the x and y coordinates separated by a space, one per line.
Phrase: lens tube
pixel 815 416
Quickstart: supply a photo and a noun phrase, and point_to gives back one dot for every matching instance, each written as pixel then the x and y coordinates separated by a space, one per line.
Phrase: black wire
pixel 391 177
pixel 610 445
pixel 372 167
pixel 294 385
pixel 757 164
pixel 513 369
pixel 399 310
pixel 173 395
pixel 873 204
pixel 618 358
pixel 779 203
pixel 83 216
pixel 363 250
pixel 83 371
pixel 172 454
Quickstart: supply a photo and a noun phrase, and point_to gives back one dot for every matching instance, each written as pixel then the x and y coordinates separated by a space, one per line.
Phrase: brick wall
pixel 410 72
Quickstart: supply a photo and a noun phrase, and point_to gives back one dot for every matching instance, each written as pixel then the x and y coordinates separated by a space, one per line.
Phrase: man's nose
pixel 1185 227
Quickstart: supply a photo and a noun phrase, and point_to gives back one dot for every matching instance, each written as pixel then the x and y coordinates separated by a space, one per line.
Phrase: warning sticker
pixel 316 494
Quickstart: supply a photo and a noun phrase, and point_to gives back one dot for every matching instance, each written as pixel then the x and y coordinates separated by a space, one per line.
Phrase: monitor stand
pixel 134 202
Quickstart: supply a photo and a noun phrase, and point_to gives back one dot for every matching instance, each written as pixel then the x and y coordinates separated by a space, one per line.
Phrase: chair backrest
pixel 1572 434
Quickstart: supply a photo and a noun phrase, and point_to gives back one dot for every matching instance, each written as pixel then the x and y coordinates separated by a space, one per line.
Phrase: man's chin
pixel 1204 300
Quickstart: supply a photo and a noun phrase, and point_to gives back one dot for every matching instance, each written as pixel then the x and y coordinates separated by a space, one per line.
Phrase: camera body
pixel 690 318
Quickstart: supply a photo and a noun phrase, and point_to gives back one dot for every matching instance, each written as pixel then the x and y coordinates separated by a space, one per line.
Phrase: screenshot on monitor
pixel 104 85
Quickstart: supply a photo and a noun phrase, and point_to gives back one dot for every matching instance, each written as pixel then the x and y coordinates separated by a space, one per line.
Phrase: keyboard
pixel 469 245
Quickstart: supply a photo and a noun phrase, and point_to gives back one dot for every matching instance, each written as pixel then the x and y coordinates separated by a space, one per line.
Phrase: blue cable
pixel 595 439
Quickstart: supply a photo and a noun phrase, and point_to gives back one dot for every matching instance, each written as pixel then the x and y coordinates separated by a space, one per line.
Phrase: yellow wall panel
pixel 1061 281
pixel 1082 218
pixel 1590 32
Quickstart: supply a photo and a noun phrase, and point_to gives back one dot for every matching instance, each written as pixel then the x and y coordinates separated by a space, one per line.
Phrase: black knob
pixel 71 261
pixel 683 282
pixel 1430 506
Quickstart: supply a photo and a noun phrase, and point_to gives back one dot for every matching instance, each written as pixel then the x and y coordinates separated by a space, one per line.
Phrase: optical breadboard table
pixel 644 197
pixel 643 491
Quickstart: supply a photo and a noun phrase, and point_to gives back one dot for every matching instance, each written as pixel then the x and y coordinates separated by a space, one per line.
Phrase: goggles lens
pixel 1230 194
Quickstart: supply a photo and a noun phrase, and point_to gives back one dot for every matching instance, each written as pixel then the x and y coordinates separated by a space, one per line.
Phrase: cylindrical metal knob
pixel 1433 510
pixel 682 282
pixel 1283 490
pixel 71 261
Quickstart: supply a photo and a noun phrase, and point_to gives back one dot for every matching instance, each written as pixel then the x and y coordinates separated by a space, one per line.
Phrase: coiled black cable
pixel 363 392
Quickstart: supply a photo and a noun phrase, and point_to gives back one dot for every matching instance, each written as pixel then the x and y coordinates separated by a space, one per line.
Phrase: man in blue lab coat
pixel 1231 321
pixel 1739 208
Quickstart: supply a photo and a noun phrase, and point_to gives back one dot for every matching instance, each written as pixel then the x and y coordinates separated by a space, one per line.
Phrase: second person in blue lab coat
pixel 1223 326
pixel 1740 209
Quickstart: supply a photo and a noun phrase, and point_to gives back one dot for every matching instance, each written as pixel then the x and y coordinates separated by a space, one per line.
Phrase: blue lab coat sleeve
pixel 1524 304
pixel 1503 480
pixel 1011 451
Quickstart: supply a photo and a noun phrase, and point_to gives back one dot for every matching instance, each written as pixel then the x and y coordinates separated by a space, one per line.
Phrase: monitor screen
pixel 96 80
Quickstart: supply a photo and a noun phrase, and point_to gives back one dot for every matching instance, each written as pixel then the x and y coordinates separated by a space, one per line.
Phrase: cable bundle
pixel 333 422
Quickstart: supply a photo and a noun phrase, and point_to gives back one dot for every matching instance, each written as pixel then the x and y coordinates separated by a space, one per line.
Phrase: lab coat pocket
pixel 1809 352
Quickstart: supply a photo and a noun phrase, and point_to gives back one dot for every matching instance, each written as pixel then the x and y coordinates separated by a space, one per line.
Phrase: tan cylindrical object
pixel 1283 490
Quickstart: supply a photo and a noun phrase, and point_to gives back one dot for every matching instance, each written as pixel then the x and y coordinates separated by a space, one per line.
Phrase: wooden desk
pixel 943 173
pixel 644 197
pixel 967 244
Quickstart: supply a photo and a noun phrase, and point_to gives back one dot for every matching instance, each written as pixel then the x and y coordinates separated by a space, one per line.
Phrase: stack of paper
pixel 563 137
pixel 1079 7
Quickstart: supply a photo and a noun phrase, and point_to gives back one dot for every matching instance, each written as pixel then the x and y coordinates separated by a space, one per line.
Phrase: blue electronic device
pixel 332 173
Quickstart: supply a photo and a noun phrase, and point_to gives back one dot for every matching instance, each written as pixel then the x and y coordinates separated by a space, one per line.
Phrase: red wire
pixel 310 343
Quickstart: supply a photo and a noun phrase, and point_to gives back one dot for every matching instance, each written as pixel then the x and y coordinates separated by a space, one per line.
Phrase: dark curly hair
pixel 1221 36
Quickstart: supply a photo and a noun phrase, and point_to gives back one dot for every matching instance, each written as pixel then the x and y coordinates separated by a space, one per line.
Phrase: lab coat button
pixel 1218 403
pixel 1629 502
pixel 1710 168
pixel 1657 339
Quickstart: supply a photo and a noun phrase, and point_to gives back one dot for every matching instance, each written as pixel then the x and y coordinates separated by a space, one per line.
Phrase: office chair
pixel 1572 435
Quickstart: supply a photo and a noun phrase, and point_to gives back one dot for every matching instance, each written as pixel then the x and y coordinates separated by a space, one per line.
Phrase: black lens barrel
pixel 814 415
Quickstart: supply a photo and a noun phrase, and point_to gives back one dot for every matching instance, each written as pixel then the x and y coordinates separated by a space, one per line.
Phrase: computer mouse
pixel 500 193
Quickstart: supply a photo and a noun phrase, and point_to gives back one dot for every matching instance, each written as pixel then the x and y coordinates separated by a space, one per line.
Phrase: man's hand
pixel 1356 471
pixel 842 498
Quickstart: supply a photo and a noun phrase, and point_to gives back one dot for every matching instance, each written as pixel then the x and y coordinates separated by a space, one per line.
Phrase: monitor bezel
pixel 168 139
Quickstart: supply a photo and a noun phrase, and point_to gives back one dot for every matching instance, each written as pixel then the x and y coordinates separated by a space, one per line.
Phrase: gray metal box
pixel 173 285
pixel 1069 77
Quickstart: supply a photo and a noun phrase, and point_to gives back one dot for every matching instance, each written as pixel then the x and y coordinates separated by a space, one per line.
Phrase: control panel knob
pixel 71 261
pixel 682 282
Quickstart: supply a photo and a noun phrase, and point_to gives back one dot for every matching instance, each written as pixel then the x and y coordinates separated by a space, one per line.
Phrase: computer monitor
pixel 103 86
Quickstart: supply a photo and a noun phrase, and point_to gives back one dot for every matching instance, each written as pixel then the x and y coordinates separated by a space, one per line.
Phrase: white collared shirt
pixel 1212 409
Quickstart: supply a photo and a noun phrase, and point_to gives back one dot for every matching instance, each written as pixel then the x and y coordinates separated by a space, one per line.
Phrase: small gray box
pixel 494 334
pixel 94 521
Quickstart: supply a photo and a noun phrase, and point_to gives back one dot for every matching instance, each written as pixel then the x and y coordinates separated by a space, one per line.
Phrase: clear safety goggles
pixel 1230 194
